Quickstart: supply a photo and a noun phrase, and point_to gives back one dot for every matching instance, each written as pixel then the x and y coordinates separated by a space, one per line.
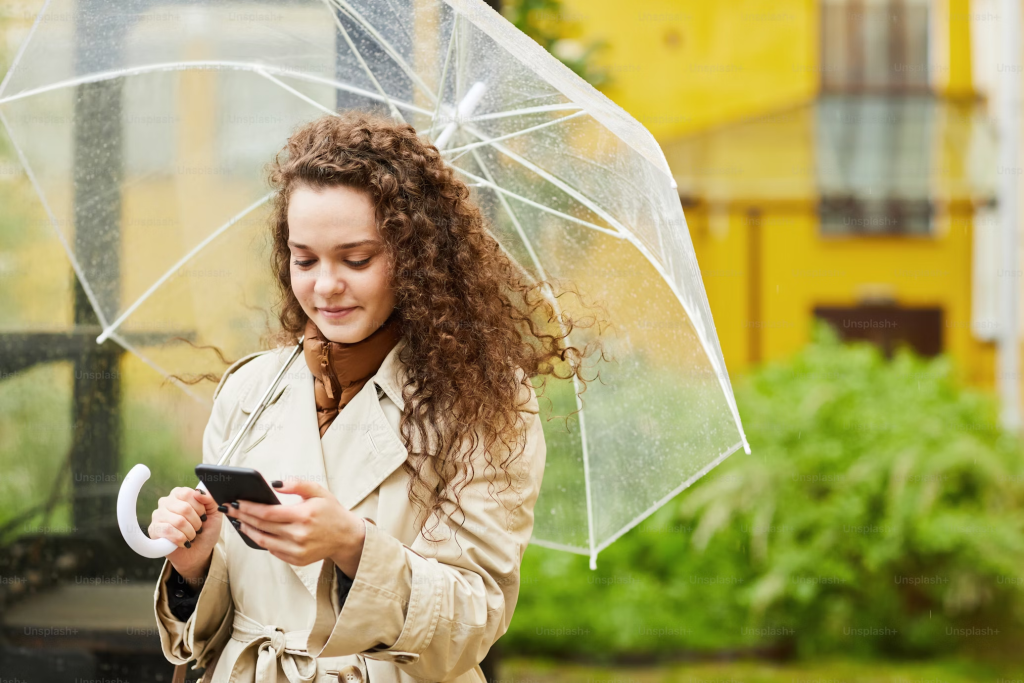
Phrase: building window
pixel 860 216
pixel 887 326
pixel 875 163
pixel 874 46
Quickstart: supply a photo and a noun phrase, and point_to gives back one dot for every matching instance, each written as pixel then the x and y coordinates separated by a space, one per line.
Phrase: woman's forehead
pixel 330 217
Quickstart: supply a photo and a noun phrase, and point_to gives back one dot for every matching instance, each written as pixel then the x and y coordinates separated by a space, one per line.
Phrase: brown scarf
pixel 340 370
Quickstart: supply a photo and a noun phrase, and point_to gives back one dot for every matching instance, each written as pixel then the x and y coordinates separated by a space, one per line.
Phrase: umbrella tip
pixel 746 447
pixel 593 562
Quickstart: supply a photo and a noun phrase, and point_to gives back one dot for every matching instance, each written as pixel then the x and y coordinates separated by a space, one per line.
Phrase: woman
pixel 409 441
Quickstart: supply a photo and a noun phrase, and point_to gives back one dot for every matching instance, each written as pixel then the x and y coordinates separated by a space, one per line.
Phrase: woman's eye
pixel 356 264
pixel 304 264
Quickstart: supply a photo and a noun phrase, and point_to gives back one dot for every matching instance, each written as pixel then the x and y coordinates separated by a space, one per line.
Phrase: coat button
pixel 179 593
pixel 350 674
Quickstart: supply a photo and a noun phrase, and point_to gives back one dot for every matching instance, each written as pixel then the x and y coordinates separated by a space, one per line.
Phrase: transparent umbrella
pixel 145 127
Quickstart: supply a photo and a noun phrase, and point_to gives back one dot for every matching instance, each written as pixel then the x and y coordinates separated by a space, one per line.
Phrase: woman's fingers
pixel 266 527
pixel 187 496
pixel 181 515
pixel 205 499
pixel 271 513
pixel 261 539
pixel 204 502
pixel 172 527
pixel 279 547
pixel 279 539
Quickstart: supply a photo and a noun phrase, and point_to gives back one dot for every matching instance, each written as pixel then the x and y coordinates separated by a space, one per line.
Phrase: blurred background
pixel 849 171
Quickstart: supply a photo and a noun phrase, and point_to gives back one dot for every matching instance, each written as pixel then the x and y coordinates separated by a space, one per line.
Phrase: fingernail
pixel 202 517
pixel 199 491
pixel 235 522
pixel 188 544
pixel 222 508
pixel 199 530
pixel 277 483
pixel 234 504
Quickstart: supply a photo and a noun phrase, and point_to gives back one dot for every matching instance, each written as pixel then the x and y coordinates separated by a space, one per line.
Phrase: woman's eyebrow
pixel 347 245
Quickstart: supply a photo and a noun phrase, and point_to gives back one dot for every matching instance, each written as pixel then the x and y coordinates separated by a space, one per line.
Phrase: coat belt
pixel 274 644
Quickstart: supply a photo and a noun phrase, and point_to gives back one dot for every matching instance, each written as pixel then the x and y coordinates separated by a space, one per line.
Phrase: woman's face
pixel 339 271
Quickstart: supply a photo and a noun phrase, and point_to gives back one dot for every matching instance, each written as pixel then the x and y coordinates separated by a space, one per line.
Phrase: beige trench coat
pixel 417 610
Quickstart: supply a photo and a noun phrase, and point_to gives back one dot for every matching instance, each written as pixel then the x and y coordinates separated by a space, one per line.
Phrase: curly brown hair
pixel 474 323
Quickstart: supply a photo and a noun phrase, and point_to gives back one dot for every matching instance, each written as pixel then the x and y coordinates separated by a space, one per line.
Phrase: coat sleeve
pixel 435 609
pixel 181 597
pixel 201 635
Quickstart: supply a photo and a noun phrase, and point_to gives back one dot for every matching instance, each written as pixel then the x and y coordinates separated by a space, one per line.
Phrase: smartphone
pixel 226 484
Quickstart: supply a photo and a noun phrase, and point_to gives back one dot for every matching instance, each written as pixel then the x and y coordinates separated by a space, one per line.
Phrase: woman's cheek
pixel 378 279
pixel 300 283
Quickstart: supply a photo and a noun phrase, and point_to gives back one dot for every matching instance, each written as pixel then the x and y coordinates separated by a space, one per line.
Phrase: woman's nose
pixel 328 283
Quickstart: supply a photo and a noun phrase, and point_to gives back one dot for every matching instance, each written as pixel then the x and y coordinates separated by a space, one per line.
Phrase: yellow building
pixel 833 159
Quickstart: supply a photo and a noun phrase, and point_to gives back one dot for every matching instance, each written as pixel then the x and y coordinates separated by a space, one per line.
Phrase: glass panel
pixel 875 45
pixel 877 22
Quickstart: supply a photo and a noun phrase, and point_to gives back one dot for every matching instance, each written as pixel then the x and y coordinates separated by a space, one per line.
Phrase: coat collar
pixel 361 447
pixel 390 375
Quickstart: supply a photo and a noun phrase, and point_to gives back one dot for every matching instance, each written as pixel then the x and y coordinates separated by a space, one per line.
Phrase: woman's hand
pixel 304 533
pixel 188 518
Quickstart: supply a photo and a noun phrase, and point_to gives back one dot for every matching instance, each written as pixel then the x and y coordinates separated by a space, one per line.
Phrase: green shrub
pixel 879 513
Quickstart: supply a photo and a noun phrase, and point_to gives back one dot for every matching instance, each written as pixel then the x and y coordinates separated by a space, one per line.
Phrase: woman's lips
pixel 336 313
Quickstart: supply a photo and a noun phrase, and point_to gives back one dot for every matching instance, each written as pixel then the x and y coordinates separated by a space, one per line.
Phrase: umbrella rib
pixel 558 546
pixel 515 220
pixel 109 330
pixel 391 51
pixel 23 48
pixel 506 136
pixel 75 266
pixel 444 74
pixel 549 295
pixel 212 64
pixel 696 322
pixel 398 17
pixel 526 110
pixel 542 207
pixel 672 494
pixel 295 92
pixel 698 327
pixel 557 182
pixel 366 67
pixel 132 349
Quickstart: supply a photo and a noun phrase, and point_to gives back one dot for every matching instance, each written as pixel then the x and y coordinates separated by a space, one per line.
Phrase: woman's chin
pixel 341 331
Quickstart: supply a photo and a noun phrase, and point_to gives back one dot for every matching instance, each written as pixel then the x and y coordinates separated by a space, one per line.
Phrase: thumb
pixel 301 487
pixel 205 499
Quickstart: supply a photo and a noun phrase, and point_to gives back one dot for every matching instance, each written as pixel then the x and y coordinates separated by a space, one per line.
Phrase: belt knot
pixel 272 644
pixel 277 639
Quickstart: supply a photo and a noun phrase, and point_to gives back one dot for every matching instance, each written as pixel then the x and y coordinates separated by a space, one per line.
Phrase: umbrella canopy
pixel 145 127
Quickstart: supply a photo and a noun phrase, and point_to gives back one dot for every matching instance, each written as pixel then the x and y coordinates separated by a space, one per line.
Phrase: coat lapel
pixel 357 453
pixel 362 447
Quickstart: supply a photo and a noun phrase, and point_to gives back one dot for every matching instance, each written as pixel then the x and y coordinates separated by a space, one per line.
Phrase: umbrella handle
pixel 128 495
pixel 127 498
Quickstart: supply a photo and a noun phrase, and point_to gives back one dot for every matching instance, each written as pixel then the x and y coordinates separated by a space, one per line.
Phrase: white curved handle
pixel 127 498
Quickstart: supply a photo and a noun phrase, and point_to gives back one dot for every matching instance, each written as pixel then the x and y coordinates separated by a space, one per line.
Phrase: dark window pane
pixel 888 327
pixel 874 45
